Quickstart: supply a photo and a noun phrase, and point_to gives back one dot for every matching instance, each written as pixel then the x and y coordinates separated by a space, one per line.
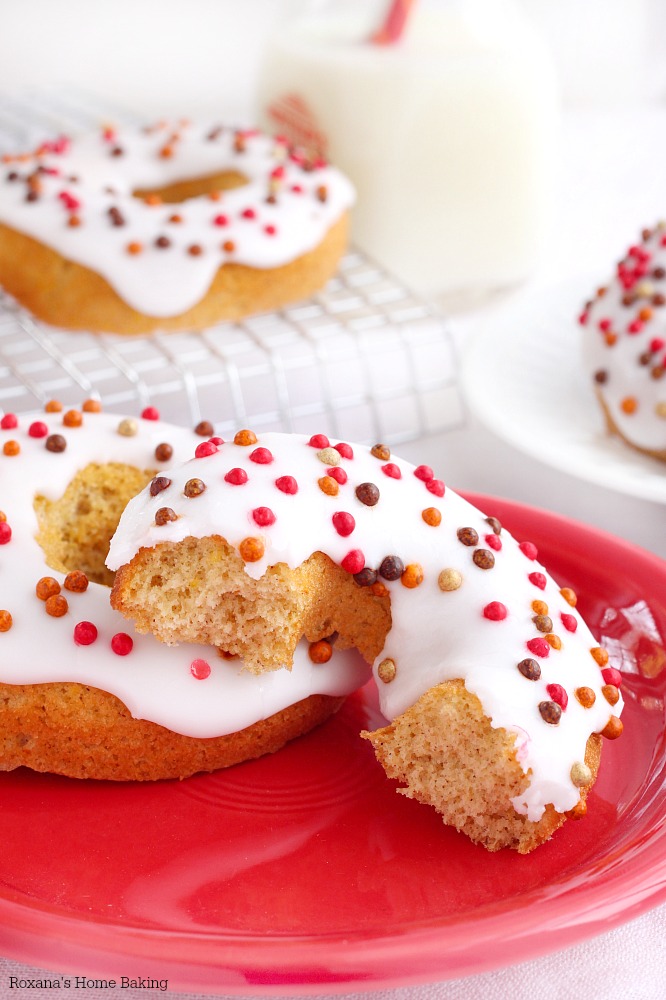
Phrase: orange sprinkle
pixel 539 607
pixel 11 448
pixel 601 292
pixel 215 195
pixel 629 405
pixel 92 406
pixel 74 221
pixel 152 199
pixel 569 596
pixel 134 248
pixel 251 549
pixel 229 246
pixel 321 651
pixel 72 418
pixel 611 339
pixel 412 576
pixel 53 406
pixel 166 152
pixel 56 606
pixel 175 218
pixel 329 486
pixel 645 314
pixel 585 696
pixel 379 590
pixel 6 621
pixel 613 728
pixel 76 581
pixel 611 694
pixel 579 810
pixel 600 655
pixel 432 516
pixel 245 438
pixel 553 641
pixel 47 587
pixel 3 516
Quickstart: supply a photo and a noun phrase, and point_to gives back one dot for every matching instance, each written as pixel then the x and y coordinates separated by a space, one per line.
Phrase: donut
pixel 81 693
pixel 495 692
pixel 171 227
pixel 624 345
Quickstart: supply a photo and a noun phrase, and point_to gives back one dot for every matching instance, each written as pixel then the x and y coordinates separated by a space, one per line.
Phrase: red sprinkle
pixel 217 441
pixel 85 633
pixel 200 669
pixel 237 477
pixel 636 326
pixel 287 484
pixel 9 422
pixel 657 344
pixel 354 561
pixel 338 474
pixel 262 456
pixel 558 695
pixel 344 450
pixel 435 486
pixel 319 441
pixel 495 611
pixel 221 220
pixel 539 647
pixel 249 213
pixel 5 533
pixel 270 230
pixel 122 644
pixel 612 676
pixel 424 472
pixel 263 516
pixel 582 319
pixel 38 429
pixel 205 449
pixel 538 579
pixel 392 470
pixel 344 524
pixel 150 413
pixel 493 542
pixel 570 623
pixel 529 549
pixel 605 324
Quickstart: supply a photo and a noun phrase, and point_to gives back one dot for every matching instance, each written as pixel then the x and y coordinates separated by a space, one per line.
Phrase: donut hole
pixel 193 187
pixel 75 530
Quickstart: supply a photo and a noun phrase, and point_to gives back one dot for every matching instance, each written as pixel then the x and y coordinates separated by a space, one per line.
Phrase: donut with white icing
pixel 496 689
pixel 171 227
pixel 81 693
pixel 624 344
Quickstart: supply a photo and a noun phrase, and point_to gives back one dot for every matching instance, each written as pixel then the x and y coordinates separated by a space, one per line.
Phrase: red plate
pixel 305 873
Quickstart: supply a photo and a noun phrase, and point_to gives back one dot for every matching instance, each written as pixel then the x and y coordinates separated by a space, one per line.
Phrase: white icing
pixel 167 281
pixel 435 635
pixel 627 377
pixel 154 681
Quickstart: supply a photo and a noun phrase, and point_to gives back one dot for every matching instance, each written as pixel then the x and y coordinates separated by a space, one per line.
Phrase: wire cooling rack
pixel 364 359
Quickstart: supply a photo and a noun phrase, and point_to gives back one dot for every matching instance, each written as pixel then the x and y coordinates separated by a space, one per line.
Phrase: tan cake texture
pixel 173 227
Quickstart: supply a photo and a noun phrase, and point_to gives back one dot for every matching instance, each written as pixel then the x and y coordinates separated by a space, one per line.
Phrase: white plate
pixel 522 377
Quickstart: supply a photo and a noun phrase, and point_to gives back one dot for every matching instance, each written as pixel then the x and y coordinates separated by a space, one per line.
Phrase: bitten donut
pixel 171 227
pixel 495 688
pixel 625 345
pixel 81 693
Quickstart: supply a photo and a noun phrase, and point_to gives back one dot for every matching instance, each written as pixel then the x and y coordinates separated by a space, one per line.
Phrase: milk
pixel 449 135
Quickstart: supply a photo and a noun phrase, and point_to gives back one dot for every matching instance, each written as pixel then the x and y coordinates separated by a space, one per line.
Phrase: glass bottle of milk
pixel 449 132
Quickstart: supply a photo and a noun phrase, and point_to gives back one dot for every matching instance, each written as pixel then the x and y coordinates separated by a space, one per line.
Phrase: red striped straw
pixel 394 24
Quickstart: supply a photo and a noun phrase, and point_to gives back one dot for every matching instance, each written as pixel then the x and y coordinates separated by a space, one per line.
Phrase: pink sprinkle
pixel 539 647
pixel 558 695
pixel 344 450
pixel 495 611
pixel 221 220
pixel 392 470
pixel 263 516
pixel 354 561
pixel 236 477
pixel 605 324
pixel 635 327
pixel 297 189
pixel 277 173
pixel 529 549
pixel 582 319
pixel 287 484
pixel 69 201
pixel 424 472
pixel 270 230
pixel 38 429
pixel 612 676
pixel 5 533
pixel 249 213
pixel 435 486
pixel 200 669
pixel 493 542
pixel 205 449
pixel 9 422
pixel 122 644
pixel 262 456
pixel 319 441
pixel 150 413
pixel 657 344
pixel 343 523
pixel 538 579
pixel 85 633
pixel 570 623
pixel 338 474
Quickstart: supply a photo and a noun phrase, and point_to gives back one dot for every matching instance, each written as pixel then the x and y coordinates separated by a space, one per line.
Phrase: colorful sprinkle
pixel 287 484
pixel 236 477
pixel 495 611
pixel 122 644
pixel 343 523
pixel 85 633
pixel 263 516
pixel 200 669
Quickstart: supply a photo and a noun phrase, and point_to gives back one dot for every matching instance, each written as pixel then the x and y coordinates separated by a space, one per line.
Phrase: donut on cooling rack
pixel 172 227
pixel 497 692
pixel 81 693
pixel 625 345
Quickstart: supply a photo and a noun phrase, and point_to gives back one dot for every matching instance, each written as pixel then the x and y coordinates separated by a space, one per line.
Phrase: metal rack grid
pixel 364 359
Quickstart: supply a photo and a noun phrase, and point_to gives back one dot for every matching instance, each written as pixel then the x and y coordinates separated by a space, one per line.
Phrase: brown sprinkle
pixel 164 515
pixel 158 484
pixel 46 587
pixel 379 590
pixel 368 494
pixel 56 443
pixel 432 516
pixel 76 582
pixel 381 451
pixel 163 452
pixel 195 250
pixel 251 549
pixel 585 696
pixel 366 577
pixel 329 486
pixel 550 712
pixel 613 728
pixel 468 536
pixel 245 438
pixel 483 558
pixel 320 651
pixel 449 579
pixel 392 568
pixel 611 694
pixel 530 669
pixel 542 623
pixel 204 429
pixel 494 524
pixel 6 621
pixel 56 606
pixel 387 670
pixel 194 488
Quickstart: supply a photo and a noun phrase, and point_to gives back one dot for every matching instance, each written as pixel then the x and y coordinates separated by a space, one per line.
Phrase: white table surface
pixel 612 184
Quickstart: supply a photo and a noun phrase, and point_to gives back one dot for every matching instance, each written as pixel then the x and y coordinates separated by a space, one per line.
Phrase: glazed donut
pixel 81 693
pixel 169 227
pixel 624 345
pixel 495 687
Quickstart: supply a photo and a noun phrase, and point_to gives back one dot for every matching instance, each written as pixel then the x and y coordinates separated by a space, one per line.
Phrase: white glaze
pixel 168 281
pixel 435 635
pixel 154 681
pixel 627 377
